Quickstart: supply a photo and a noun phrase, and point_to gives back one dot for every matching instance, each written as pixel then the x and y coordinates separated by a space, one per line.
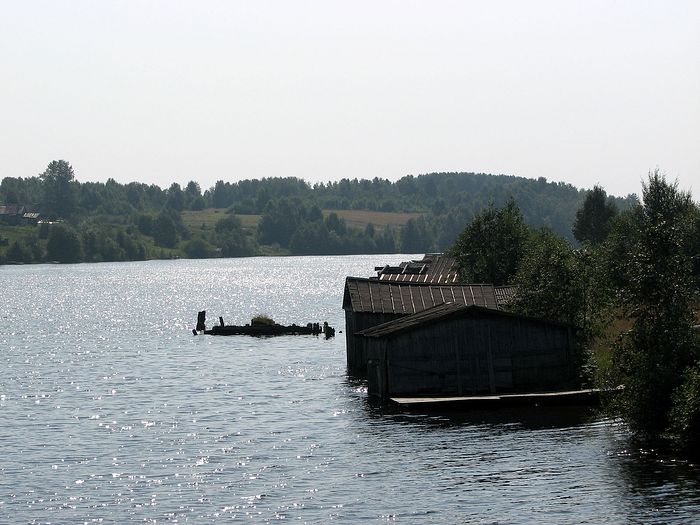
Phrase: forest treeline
pixel 109 221
pixel 631 287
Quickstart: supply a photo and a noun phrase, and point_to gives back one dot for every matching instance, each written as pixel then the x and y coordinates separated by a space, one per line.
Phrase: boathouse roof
pixel 436 268
pixel 505 294
pixel 440 313
pixel 389 297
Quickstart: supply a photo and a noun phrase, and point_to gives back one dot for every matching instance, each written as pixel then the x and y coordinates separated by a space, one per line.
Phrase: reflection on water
pixel 523 417
pixel 111 410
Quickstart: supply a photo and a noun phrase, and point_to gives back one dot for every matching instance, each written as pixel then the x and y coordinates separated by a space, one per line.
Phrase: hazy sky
pixel 170 91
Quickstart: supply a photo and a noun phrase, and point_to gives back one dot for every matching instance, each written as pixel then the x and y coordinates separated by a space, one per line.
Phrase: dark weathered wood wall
pixel 355 345
pixel 471 355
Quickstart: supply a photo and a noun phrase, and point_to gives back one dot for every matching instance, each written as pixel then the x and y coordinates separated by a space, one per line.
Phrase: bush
pixel 18 252
pixel 64 244
pixel 262 319
pixel 198 249
pixel 685 411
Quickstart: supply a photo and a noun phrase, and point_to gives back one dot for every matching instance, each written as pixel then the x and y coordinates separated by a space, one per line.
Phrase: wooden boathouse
pixel 459 349
pixel 371 302
pixel 434 268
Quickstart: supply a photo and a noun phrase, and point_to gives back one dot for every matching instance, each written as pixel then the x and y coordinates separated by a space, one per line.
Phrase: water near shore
pixel 112 411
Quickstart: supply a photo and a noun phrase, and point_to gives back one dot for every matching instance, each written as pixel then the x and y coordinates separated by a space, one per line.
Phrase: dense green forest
pixel 91 221
pixel 631 287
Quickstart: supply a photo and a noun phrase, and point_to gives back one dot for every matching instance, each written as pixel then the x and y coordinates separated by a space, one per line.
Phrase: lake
pixel 111 411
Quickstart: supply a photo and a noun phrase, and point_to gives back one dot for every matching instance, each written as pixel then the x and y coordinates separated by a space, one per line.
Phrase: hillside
pixel 112 221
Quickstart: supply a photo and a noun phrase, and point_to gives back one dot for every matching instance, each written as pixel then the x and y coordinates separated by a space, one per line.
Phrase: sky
pixel 585 92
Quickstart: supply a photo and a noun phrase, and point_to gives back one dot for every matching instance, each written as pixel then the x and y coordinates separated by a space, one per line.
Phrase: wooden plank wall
pixel 475 355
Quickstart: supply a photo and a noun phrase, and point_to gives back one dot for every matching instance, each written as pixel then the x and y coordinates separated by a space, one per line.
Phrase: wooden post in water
pixel 201 320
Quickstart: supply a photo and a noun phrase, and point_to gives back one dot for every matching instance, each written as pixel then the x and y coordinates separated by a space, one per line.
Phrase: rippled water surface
pixel 112 411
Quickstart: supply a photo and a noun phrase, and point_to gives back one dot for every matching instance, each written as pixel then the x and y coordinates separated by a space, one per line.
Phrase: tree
pixel 314 214
pixel 336 224
pixel 165 231
pixel 550 280
pixel 221 197
pixel 231 238
pixel 387 242
pixel 656 358
pixel 60 188
pixel 64 245
pixel 198 249
pixel 416 237
pixel 176 198
pixel 490 248
pixel 279 221
pixel 193 194
pixel 133 247
pixel 594 217
pixel 18 252
pixel 20 191
pixel 312 238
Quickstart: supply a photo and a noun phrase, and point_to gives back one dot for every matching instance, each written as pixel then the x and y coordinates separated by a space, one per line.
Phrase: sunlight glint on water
pixel 111 410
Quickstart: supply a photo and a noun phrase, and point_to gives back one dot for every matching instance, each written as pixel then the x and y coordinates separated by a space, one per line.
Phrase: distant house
pixel 370 302
pixel 458 349
pixel 15 214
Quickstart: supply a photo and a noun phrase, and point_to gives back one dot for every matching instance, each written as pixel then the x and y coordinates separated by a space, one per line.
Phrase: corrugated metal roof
pixel 440 313
pixel 505 294
pixel 433 268
pixel 373 296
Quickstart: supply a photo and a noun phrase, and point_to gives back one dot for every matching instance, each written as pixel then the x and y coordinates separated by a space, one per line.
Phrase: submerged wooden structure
pixel 423 338
pixel 371 302
pixel 261 329
pixel 455 349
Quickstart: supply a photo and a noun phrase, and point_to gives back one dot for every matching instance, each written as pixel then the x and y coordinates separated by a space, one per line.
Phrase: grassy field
pixel 198 221
pixel 380 219
pixel 10 234
pixel 207 219
pixel 16 232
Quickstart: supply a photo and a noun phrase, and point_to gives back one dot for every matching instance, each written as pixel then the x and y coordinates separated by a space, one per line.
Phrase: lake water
pixel 111 411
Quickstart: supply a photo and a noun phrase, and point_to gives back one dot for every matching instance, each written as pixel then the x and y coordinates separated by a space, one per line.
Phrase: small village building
pixel 370 302
pixel 456 349
pixel 18 214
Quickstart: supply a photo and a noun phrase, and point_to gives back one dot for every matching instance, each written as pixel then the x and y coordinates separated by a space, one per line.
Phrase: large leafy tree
pixel 165 231
pixel 231 238
pixel 490 248
pixel 176 198
pixel 561 284
pixel 551 280
pixel 416 236
pixel 64 244
pixel 60 188
pixel 19 252
pixel 594 218
pixel 279 221
pixel 653 271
